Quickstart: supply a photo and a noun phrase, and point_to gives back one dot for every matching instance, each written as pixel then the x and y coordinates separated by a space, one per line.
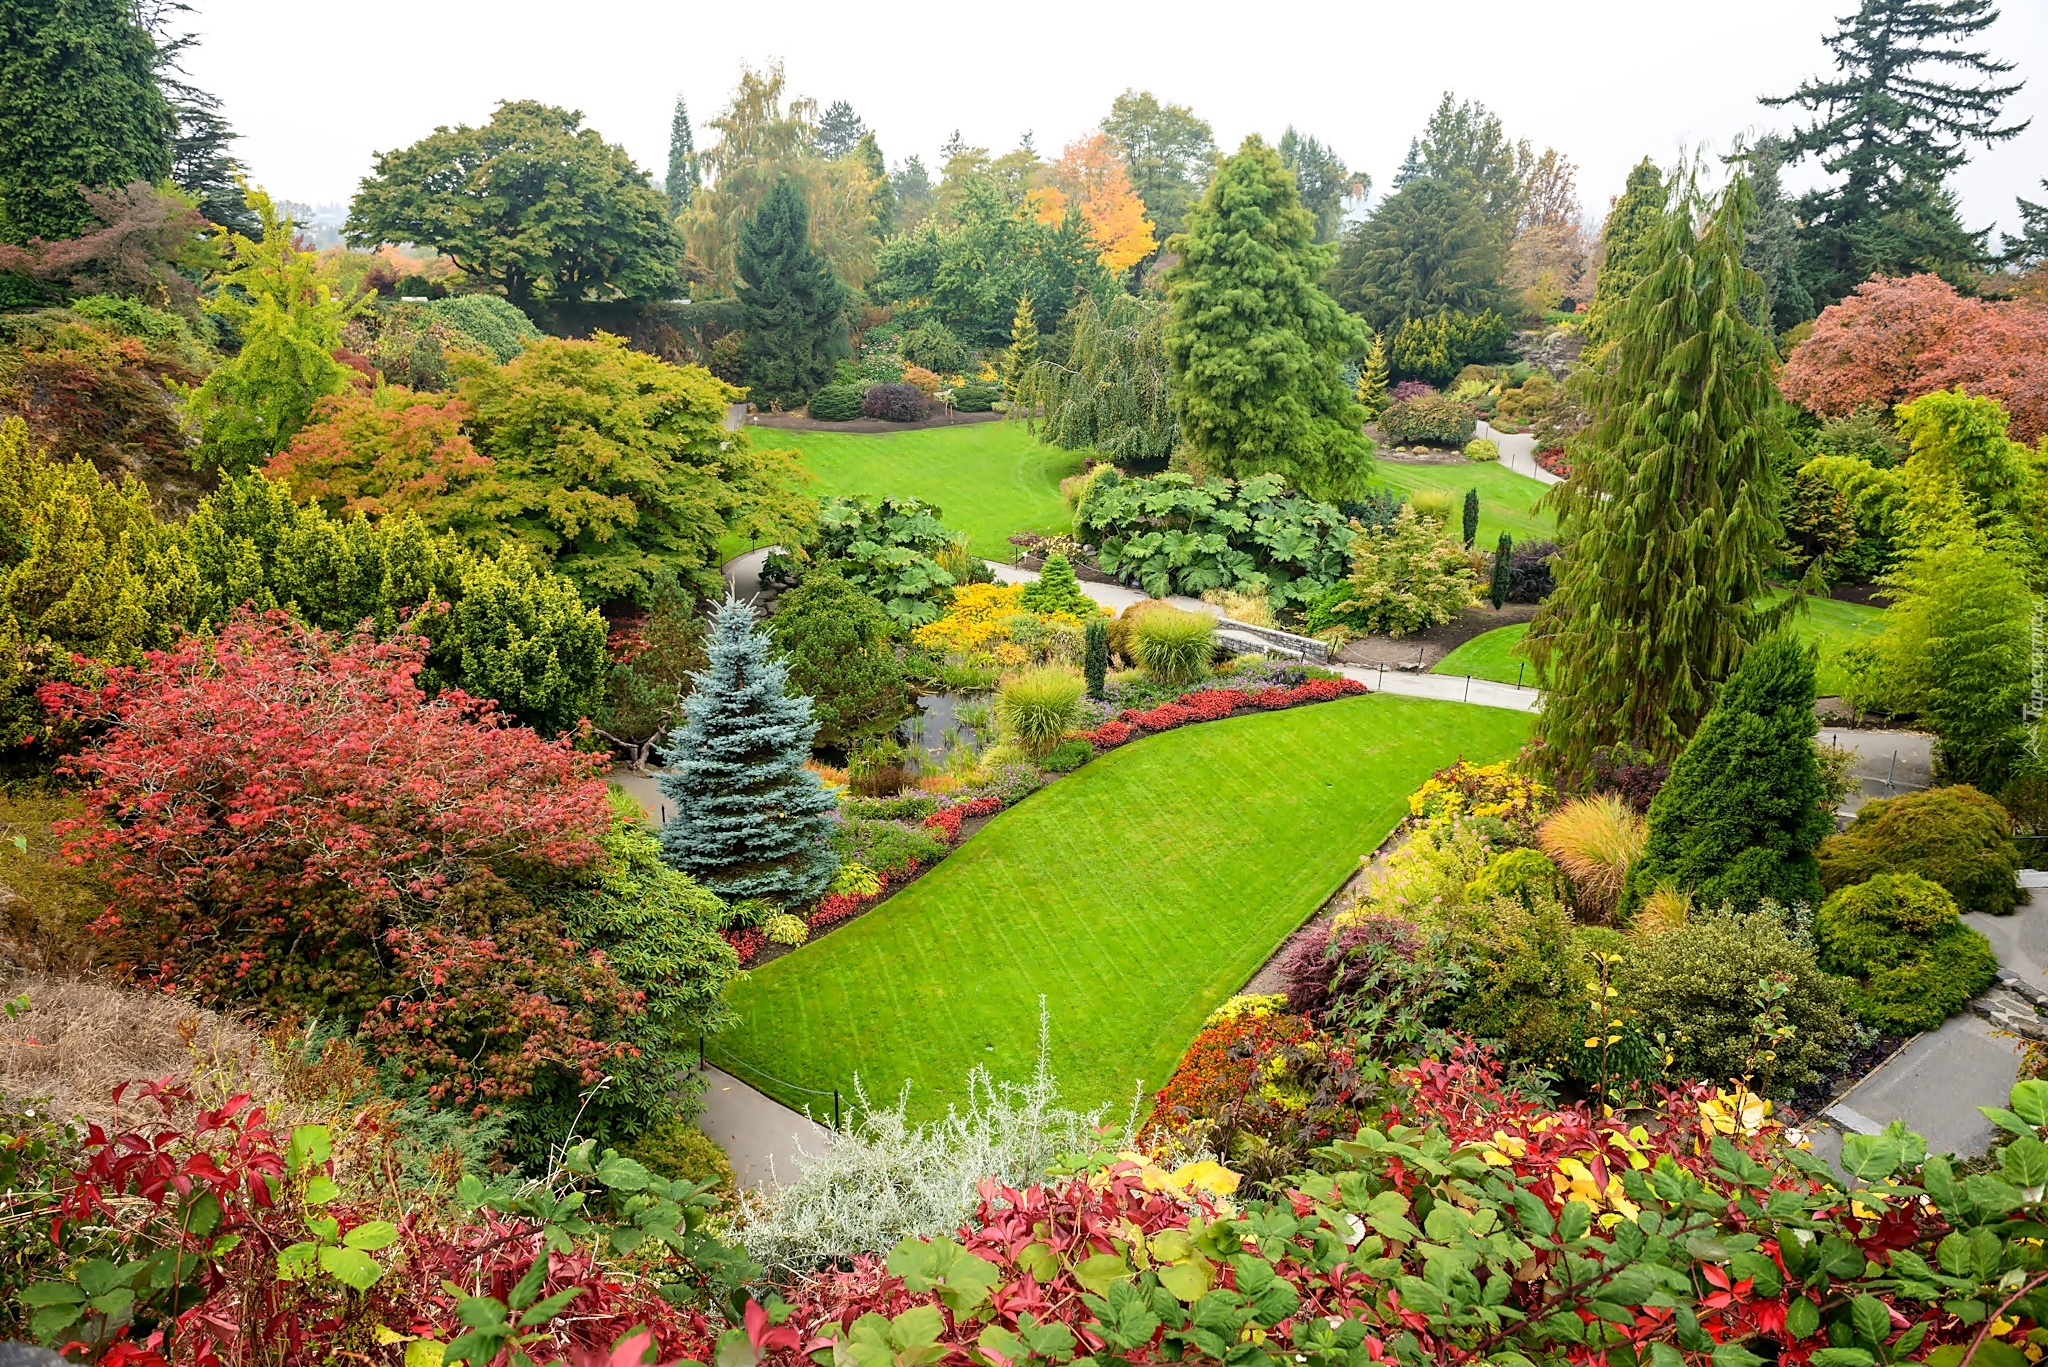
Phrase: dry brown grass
pixel 1594 840
pixel 79 1039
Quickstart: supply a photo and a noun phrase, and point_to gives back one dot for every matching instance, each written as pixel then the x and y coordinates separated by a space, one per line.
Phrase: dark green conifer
pixel 793 303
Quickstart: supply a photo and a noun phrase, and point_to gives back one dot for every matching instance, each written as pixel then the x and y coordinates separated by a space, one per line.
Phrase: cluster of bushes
pixel 1428 419
pixel 895 550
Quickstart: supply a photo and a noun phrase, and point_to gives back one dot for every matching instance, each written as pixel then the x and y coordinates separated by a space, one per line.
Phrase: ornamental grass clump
pixel 1593 840
pixel 1038 707
pixel 1175 647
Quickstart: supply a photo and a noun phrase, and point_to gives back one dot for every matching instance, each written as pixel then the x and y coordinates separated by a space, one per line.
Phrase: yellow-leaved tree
pixel 1091 173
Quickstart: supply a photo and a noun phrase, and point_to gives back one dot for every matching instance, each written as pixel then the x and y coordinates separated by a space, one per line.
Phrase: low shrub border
pixel 1206 704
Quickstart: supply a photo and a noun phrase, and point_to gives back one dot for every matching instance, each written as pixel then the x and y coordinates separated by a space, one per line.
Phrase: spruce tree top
pixel 1057 590
pixel 794 303
pixel 1741 815
pixel 749 819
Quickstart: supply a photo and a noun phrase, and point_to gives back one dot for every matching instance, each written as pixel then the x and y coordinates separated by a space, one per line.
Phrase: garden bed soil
pixel 804 422
pixel 1423 649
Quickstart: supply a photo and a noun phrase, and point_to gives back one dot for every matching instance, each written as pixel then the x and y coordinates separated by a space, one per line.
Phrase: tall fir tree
pixel 2029 247
pixel 80 106
pixel 1772 247
pixel 1671 513
pixel 682 160
pixel 1257 349
pixel 1889 129
pixel 839 131
pixel 1624 242
pixel 201 163
pixel 793 303
pixel 749 819
pixel 1745 808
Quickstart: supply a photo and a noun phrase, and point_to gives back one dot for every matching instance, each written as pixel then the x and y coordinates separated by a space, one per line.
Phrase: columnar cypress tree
pixel 1095 657
pixel 682 161
pixel 79 106
pixel 1372 378
pixel 1503 564
pixel 1471 517
pixel 1671 511
pixel 793 302
pixel 1742 814
pixel 750 820
pixel 1256 348
pixel 1624 239
pixel 1023 345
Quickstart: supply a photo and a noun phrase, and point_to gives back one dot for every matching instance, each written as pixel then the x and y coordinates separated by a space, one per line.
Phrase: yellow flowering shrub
pixel 1467 789
pixel 1258 1006
pixel 990 619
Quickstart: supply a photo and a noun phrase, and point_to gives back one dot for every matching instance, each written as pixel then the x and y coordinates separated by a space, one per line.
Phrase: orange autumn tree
pixel 1091 173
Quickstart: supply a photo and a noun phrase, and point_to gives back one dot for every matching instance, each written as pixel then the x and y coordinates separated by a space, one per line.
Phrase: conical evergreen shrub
pixel 1095 657
pixel 749 819
pixel 1741 815
pixel 1056 590
pixel 1503 570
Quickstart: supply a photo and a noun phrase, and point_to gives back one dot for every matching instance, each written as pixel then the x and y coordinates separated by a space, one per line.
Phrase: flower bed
pixel 1553 460
pixel 1214 704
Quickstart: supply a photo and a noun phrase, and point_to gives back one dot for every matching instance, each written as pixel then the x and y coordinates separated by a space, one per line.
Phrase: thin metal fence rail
pixel 706 1055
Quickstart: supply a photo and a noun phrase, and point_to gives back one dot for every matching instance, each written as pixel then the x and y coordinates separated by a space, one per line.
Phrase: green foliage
pixel 524 637
pixel 1915 963
pixel 1112 392
pixel 1435 347
pixel 651 667
pixel 836 641
pixel 1954 652
pixel 502 330
pixel 1669 519
pixel 932 345
pixel 1875 496
pixel 1867 434
pixel 975 397
pixel 1255 346
pixel 885 846
pixel 1429 248
pixel 272 297
pixel 676 1149
pixel 1523 981
pixel 749 819
pixel 532 203
pixel 1955 837
pixel 889 550
pixel 1432 419
pixel 681 182
pixel 1056 590
pixel 80 107
pixel 1482 448
pixel 1503 570
pixel 1471 517
pixel 1039 706
pixel 1175 647
pixel 1169 154
pixel 1744 810
pixel 1524 874
pixel 1703 984
pixel 617 467
pixel 1095 656
pixel 1406 577
pixel 1629 242
pixel 1022 353
pixel 1169 535
pixel 970 272
pixel 835 403
pixel 1372 378
pixel 793 303
pixel 1067 756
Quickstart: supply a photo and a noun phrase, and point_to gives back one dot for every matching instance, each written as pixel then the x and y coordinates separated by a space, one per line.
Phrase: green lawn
pixel 1505 498
pixel 988 479
pixel 1133 897
pixel 1827 623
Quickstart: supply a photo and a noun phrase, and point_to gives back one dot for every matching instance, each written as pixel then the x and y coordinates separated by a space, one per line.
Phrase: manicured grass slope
pixel 989 479
pixel 1831 625
pixel 1133 897
pixel 1505 498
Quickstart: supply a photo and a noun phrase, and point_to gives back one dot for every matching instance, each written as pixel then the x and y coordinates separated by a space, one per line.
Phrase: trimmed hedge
pixel 1915 964
pixel 1957 837
pixel 975 398
pixel 836 403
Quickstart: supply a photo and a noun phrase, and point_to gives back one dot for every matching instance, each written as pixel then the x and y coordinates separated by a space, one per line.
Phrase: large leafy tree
pixel 1323 180
pixel 1256 348
pixel 1908 96
pixel 793 303
pixel 1428 247
pixel 79 108
pixel 272 295
pixel 1169 153
pixel 532 202
pixel 1670 515
pixel 1090 176
pixel 1113 391
pixel 1626 240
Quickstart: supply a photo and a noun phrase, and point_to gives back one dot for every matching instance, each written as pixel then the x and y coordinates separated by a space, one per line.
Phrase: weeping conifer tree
pixel 750 820
pixel 1671 512
pixel 1112 393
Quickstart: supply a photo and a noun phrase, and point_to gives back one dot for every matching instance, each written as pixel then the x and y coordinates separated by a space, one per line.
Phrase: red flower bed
pixel 1164 717
pixel 981 806
pixel 945 822
pixel 1214 704
pixel 1553 460
pixel 1110 734
pixel 745 943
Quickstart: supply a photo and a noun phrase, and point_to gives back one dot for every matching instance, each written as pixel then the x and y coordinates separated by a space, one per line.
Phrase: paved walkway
pixel 1518 453
pixel 1888 762
pixel 761 1135
pixel 1936 1083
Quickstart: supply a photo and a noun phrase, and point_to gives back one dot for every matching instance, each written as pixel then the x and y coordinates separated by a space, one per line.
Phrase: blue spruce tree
pixel 749 819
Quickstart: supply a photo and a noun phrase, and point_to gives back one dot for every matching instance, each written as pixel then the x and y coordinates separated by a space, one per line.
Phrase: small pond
pixel 937 727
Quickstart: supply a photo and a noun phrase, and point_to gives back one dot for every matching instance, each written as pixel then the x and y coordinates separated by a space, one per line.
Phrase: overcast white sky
pixel 317 91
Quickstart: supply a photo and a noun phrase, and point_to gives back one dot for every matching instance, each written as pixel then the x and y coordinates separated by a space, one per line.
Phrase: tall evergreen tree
pixel 793 303
pixel 79 106
pixel 1411 168
pixel 1322 180
pixel 1023 351
pixel 1466 136
pixel 1372 378
pixel 1625 241
pixel 1890 128
pixel 839 131
pixel 1428 247
pixel 682 160
pixel 1503 571
pixel 2030 247
pixel 1257 350
pixel 750 820
pixel 1744 809
pixel 1671 512
pixel 201 163
pixel 1772 248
